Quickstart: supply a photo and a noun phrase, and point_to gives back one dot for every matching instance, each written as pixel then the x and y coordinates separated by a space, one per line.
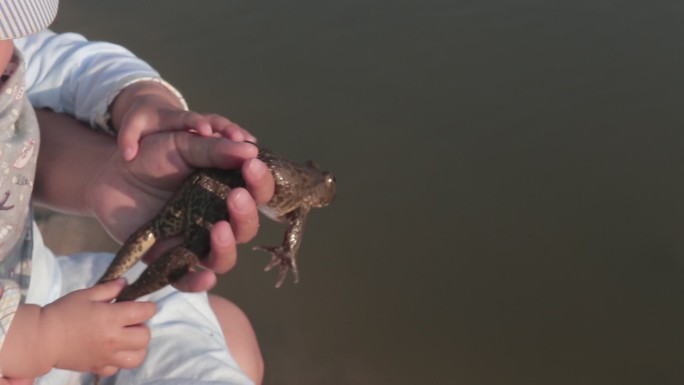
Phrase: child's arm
pixel 67 73
pixel 110 88
pixel 82 331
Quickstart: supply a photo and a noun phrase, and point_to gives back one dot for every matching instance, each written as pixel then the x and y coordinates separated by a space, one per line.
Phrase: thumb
pixel 107 291
pixel 134 125
pixel 128 143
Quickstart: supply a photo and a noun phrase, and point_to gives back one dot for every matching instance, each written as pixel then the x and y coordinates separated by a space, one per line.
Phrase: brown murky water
pixel 510 204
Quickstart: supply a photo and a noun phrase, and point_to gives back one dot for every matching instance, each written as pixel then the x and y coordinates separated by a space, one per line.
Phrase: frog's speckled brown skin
pixel 201 202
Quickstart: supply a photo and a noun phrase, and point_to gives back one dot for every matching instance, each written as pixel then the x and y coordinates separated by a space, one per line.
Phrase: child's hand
pixel 17 381
pixel 148 107
pixel 93 335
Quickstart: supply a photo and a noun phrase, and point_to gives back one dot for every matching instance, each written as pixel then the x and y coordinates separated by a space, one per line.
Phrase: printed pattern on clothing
pixel 10 297
pixel 19 140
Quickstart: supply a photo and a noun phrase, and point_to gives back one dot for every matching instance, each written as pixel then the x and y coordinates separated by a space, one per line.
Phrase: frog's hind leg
pixel 132 250
pixel 284 255
pixel 167 269
pixel 167 224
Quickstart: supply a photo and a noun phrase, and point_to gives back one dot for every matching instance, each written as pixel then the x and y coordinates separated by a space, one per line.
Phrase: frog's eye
pixel 330 179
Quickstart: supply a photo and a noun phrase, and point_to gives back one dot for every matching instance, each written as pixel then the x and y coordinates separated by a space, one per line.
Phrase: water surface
pixel 510 179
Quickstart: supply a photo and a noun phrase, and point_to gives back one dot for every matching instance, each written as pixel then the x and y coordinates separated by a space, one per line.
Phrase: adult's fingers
pixel 107 291
pixel 224 236
pixel 243 214
pixel 203 152
pixel 223 253
pixel 259 179
pixel 196 281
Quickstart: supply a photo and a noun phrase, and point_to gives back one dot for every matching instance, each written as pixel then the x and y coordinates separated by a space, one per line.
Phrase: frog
pixel 201 201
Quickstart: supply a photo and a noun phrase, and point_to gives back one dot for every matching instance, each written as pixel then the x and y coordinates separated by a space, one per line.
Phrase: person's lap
pixel 188 343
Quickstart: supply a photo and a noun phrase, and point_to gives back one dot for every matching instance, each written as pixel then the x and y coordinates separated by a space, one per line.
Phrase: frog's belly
pixel 271 213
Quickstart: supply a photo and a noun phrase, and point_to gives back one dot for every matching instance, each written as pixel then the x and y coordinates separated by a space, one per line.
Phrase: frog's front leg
pixel 285 254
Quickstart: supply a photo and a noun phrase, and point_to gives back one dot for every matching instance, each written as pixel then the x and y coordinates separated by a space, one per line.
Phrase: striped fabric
pixel 24 17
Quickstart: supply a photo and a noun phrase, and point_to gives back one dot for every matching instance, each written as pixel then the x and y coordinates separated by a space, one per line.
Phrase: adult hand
pixel 127 194
pixel 83 171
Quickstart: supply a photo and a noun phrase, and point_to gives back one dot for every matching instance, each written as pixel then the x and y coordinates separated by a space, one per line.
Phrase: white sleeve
pixel 67 73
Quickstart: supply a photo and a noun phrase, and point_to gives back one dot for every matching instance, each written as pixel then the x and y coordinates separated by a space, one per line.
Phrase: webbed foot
pixel 283 258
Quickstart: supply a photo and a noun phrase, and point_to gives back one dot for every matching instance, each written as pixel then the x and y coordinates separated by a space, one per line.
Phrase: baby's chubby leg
pixel 240 337
pixel 188 343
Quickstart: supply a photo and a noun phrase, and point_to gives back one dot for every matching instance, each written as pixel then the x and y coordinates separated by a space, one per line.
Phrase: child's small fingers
pixel 184 120
pixel 107 291
pixel 204 129
pixel 232 131
pixel 229 129
pixel 194 121
pixel 134 313
pixel 130 359
pixel 107 371
pixel 16 381
pixel 249 137
pixel 134 338
pixel 128 143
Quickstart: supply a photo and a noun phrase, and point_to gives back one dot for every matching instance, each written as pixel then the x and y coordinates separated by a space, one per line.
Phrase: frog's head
pixel 324 189
pixel 325 193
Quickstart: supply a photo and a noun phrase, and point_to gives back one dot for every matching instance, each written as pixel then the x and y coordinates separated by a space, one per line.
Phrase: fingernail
pixel 241 201
pixel 205 129
pixel 128 153
pixel 256 167
pixel 237 136
pixel 223 238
